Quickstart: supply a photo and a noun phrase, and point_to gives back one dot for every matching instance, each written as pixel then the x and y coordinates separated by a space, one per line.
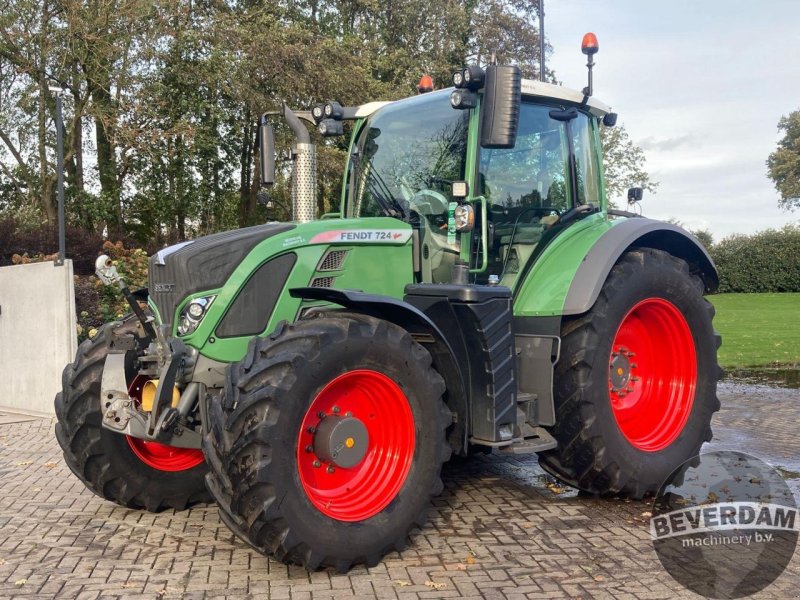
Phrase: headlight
pixel 192 314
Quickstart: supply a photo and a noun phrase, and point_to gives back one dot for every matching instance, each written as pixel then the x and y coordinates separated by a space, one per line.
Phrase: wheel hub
pixel 341 441
pixel 620 374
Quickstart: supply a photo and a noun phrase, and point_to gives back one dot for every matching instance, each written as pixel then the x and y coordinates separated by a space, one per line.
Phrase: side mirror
pixel 266 147
pixel 635 194
pixel 502 96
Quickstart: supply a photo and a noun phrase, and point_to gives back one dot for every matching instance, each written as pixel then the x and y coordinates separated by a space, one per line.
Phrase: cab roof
pixel 530 88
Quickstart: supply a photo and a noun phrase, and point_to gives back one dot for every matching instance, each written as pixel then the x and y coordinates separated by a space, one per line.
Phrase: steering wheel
pixel 432 205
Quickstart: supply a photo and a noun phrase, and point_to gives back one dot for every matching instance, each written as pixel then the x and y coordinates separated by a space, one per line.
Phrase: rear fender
pixel 635 233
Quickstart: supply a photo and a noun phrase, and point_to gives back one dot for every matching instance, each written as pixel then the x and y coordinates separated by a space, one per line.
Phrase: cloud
pixel 666 144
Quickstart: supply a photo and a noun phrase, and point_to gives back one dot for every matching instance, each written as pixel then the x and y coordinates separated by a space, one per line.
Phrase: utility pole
pixel 60 172
pixel 541 40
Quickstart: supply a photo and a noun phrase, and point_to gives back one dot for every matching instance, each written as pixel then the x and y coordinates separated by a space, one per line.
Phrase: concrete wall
pixel 37 333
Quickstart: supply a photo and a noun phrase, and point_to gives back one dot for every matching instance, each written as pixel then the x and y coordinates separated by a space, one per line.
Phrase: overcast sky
pixel 700 86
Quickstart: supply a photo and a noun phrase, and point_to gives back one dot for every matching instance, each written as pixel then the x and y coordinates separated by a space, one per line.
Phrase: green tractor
pixel 475 294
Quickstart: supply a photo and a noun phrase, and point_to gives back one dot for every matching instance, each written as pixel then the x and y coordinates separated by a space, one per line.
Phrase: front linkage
pixel 162 360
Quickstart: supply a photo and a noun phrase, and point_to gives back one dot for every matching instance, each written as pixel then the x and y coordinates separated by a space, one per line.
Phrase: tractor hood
pixel 201 264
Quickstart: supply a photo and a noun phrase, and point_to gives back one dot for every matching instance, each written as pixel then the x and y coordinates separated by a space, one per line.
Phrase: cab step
pixel 537 439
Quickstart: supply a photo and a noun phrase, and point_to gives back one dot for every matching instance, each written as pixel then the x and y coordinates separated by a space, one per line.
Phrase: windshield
pixel 406 158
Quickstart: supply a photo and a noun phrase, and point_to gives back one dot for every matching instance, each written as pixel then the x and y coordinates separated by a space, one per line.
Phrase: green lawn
pixel 758 330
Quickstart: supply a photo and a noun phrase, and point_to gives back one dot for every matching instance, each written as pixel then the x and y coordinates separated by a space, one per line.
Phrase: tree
pixel 784 164
pixel 624 164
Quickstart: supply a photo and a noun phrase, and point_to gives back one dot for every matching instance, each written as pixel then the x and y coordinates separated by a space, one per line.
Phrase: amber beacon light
pixel 589 44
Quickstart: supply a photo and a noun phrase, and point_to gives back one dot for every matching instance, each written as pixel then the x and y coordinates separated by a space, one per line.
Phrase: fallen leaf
pixel 20 582
pixel 24 463
pixel 403 582
pixel 161 593
pixel 50 465
pixel 129 585
pixel 435 586
pixel 2 561
pixel 461 567
pixel 527 525
pixel 599 578
pixel 647 514
pixel 470 559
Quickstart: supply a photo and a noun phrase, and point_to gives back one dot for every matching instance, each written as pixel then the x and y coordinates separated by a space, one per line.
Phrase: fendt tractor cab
pixel 475 293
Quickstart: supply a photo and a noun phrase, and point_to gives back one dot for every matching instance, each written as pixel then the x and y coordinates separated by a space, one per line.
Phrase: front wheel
pixel 125 470
pixel 635 387
pixel 327 443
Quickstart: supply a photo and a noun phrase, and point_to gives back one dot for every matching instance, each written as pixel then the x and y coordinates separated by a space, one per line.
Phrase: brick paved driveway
pixel 501 529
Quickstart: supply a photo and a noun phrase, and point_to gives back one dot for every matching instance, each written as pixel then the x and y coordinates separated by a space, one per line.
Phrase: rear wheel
pixel 327 443
pixel 125 470
pixel 635 387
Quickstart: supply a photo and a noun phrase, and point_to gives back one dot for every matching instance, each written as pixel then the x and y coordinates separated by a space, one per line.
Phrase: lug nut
pixel 336 410
pixel 309 448
pixel 634 378
pixel 316 464
pixel 330 469
pixel 321 414
pixel 312 430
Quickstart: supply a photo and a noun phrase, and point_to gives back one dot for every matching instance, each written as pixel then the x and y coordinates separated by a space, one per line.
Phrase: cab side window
pixel 532 173
pixel 526 188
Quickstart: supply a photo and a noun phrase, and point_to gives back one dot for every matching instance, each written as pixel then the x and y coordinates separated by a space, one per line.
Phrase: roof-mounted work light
pixel 461 99
pixel 471 78
pixel 330 128
pixel 333 110
pixel 474 77
pixel 318 113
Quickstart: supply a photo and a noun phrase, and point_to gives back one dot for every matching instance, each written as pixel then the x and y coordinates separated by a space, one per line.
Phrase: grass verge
pixel 758 330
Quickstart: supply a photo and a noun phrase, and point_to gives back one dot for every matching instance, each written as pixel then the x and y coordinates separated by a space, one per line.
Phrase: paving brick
pixel 497 531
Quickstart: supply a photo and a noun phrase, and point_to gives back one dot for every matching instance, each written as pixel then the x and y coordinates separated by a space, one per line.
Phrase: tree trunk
pixel 46 199
pixel 246 204
pixel 107 156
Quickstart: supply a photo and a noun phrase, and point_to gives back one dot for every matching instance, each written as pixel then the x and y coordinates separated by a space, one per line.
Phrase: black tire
pixel 252 447
pixel 103 459
pixel 593 453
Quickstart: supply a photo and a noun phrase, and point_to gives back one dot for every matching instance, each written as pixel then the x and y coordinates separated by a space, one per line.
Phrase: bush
pixel 767 261
pixel 18 239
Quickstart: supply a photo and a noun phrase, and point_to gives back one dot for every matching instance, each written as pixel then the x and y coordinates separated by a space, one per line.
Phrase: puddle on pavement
pixel 780 377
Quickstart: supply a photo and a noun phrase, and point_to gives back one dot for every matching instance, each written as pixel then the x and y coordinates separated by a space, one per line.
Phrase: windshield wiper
pixel 384 197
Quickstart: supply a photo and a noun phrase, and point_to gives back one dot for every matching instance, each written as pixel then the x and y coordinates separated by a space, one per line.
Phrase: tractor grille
pixel 204 264
pixel 322 282
pixel 332 261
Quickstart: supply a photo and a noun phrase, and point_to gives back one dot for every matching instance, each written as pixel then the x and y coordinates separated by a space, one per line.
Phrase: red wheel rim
pixel 158 456
pixel 165 458
pixel 365 489
pixel 652 374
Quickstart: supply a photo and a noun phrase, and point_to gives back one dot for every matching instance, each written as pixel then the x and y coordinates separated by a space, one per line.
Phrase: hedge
pixel 767 261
